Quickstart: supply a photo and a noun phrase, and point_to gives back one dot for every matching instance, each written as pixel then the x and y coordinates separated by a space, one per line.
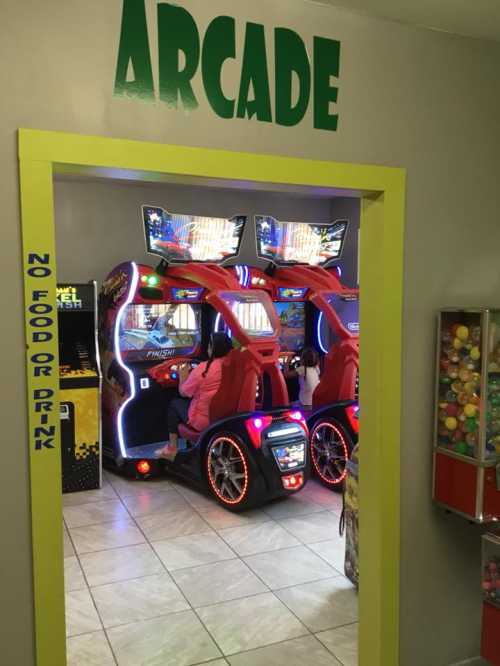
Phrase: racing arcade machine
pixel 79 380
pixel 297 254
pixel 152 321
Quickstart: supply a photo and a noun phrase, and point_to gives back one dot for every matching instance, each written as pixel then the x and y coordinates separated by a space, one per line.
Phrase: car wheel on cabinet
pixel 331 447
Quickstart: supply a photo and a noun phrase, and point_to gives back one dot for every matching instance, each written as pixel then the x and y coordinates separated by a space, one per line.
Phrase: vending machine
pixel 80 386
pixel 467 423
pixel 490 641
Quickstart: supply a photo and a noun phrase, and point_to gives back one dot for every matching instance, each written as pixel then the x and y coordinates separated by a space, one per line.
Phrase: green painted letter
pixel 134 51
pixel 219 45
pixel 254 72
pixel 177 32
pixel 326 64
pixel 291 56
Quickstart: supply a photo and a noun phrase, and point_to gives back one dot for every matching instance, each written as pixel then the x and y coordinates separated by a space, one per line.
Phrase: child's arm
pixel 189 386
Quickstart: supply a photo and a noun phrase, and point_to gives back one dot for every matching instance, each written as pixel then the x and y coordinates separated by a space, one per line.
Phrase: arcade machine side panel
pixel 115 291
pixel 80 385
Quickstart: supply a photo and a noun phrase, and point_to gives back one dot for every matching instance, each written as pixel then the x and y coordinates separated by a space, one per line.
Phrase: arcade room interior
pixel 253 365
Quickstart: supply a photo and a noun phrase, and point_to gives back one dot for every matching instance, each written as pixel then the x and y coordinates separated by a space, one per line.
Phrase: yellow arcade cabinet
pixel 80 387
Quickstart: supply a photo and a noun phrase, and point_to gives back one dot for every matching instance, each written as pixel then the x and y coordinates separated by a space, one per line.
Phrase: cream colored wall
pixel 422 100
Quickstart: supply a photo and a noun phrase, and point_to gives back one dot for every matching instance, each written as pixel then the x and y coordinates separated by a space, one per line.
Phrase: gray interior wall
pixel 98 224
pixel 349 209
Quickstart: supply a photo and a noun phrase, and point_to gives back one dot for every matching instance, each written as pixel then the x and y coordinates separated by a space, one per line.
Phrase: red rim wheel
pixel 329 452
pixel 227 470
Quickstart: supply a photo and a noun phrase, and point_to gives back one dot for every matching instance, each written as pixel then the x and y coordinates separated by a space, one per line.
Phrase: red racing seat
pixel 236 393
pixel 338 380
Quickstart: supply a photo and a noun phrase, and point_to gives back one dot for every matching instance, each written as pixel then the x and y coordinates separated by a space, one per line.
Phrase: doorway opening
pixel 379 192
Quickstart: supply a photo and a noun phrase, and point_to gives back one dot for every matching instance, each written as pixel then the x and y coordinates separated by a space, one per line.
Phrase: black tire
pixel 231 478
pixel 330 448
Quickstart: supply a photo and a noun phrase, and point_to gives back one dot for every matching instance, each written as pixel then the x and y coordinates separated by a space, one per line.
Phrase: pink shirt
pixel 202 390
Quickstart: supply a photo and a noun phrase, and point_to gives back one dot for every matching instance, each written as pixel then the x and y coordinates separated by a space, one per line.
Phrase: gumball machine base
pixel 490 642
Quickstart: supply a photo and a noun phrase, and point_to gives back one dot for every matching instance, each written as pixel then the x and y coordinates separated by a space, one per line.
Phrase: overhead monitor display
pixel 299 242
pixel 293 326
pixel 159 331
pixel 182 238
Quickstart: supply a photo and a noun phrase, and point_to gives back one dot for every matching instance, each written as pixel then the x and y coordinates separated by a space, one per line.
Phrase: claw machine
pixel 467 424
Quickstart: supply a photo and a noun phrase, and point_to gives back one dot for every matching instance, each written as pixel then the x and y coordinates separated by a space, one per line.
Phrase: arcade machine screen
pixel 347 308
pixel 299 242
pixel 293 325
pixel 157 331
pixel 252 311
pixel 181 238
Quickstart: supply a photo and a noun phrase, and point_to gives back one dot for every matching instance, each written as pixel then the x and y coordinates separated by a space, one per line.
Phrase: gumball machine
pixel 490 640
pixel 467 425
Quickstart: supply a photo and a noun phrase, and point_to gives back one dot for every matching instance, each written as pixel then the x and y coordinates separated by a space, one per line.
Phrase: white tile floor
pixel 157 574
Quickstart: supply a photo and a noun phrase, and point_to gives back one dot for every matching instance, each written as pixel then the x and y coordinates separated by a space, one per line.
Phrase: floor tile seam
pixel 225 601
pixel 326 646
pixel 88 588
pixel 283 642
pixel 270 592
pixel 251 524
pixel 89 633
pixel 131 580
pixel 107 550
pixel 308 546
pixel 309 582
pixel 299 517
pixel 265 552
pixel 178 588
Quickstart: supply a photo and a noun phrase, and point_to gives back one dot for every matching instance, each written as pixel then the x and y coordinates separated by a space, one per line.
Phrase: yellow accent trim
pixel 45 464
pixel 382 225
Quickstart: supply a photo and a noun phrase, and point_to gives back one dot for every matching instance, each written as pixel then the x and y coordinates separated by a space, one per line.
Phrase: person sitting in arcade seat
pixel 196 388
pixel 309 373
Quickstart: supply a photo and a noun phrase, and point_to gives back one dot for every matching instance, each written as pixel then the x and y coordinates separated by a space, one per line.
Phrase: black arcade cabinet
pixel 80 385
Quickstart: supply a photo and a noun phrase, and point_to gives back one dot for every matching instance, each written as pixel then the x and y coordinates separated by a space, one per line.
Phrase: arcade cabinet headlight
pixel 150 280
pixel 128 300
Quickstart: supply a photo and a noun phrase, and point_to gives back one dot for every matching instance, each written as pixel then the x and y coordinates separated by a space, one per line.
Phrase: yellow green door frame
pixel 43 154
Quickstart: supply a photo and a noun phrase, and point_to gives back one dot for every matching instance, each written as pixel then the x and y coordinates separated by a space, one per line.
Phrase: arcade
pixel 152 322
pixel 316 311
pixel 80 382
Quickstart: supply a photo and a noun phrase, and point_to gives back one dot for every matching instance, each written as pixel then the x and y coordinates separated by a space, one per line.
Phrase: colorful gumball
pixel 475 353
pixel 471 438
pixel 461 447
pixel 453 371
pixel 457 343
pixel 462 332
pixel 452 409
pixel 471 425
pixel 464 374
pixel 457 386
pixel 457 435
pixel 470 410
pixel 462 398
pixel 451 423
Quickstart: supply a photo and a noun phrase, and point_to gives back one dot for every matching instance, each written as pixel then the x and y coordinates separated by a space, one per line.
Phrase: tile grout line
pixel 216 531
pixel 178 588
pixel 89 589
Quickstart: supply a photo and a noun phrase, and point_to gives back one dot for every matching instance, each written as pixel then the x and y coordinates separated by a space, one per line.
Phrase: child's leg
pixel 177 413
